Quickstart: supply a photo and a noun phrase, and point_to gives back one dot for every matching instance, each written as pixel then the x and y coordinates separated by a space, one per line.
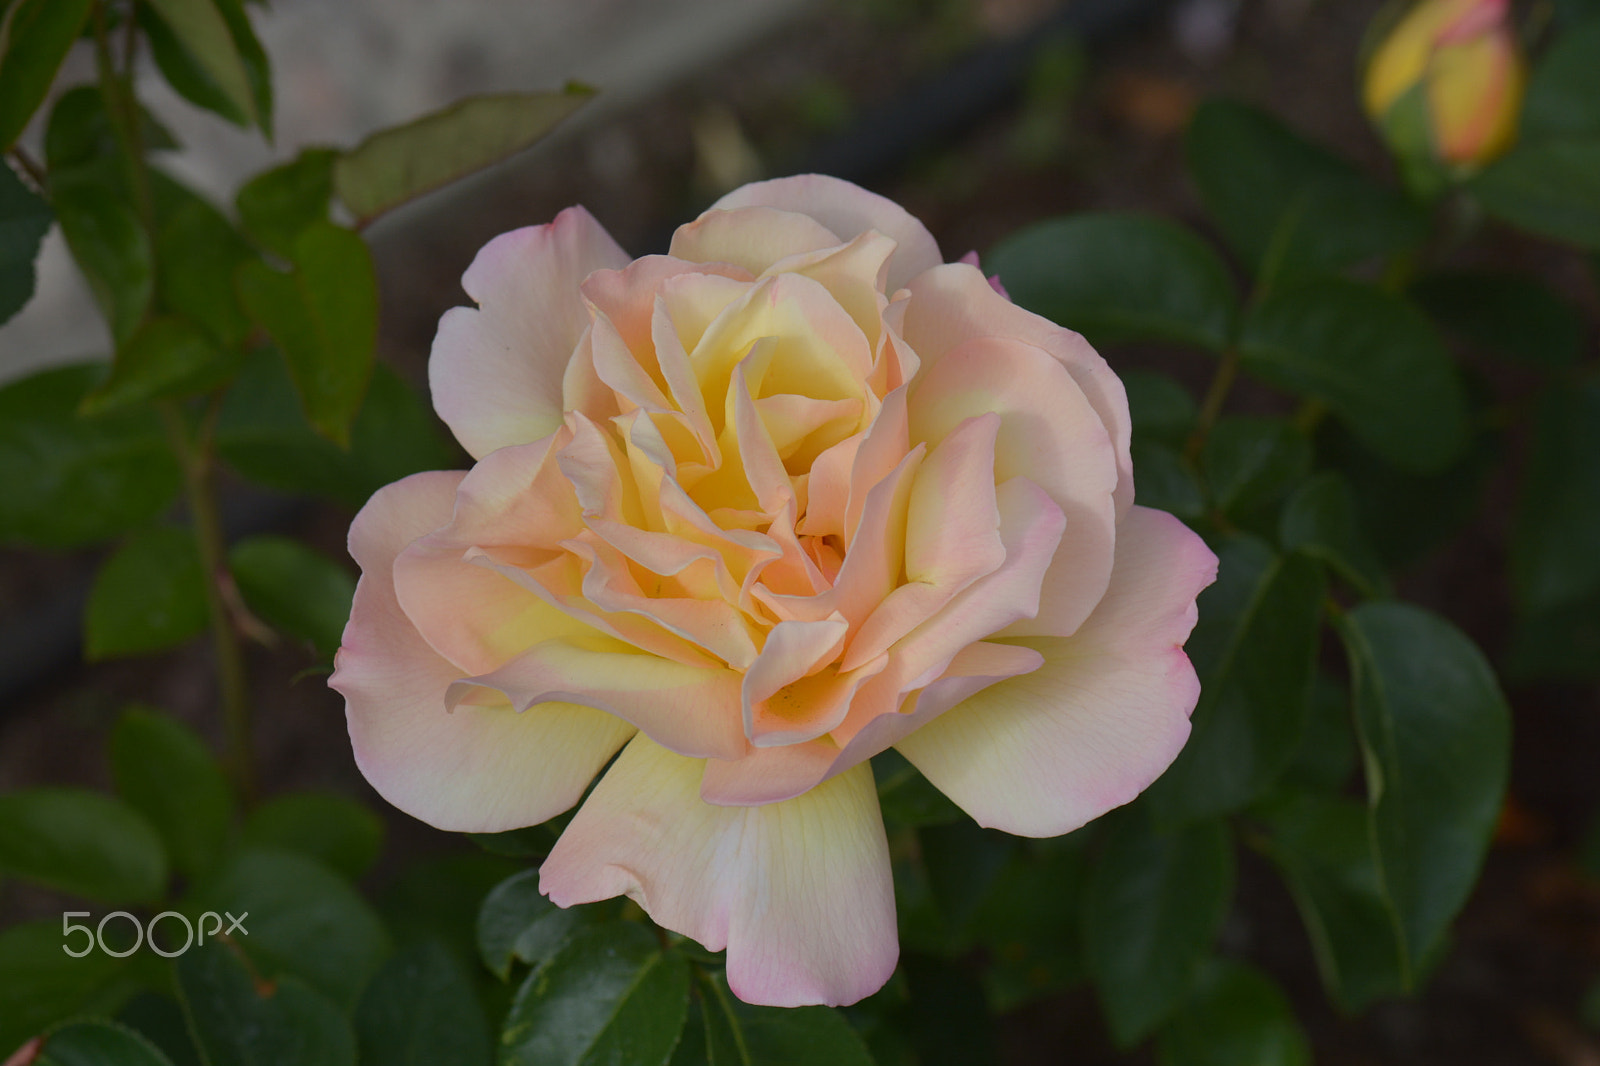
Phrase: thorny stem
pixel 195 458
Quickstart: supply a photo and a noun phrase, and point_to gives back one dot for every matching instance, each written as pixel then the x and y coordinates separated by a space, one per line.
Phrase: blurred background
pixel 979 116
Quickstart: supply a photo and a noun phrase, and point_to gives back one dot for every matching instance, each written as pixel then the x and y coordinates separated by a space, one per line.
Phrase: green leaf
pixel 1119 277
pixel 216 77
pixel 1320 521
pixel 1167 479
pixel 1161 408
pixel 82 843
pixel 70 480
pixel 1563 96
pixel 241 1020
pixel 439 899
pixel 38 35
pixel 1289 207
pixel 963 861
pixel 147 597
pixel 1237 1017
pixel 166 356
pixel 517 922
pixel 1435 738
pixel 81 145
pixel 111 248
pixel 420 1010
pixel 1511 315
pixel 1029 924
pixel 277 205
pixel 262 434
pixel 740 1034
pixel 531 841
pixel 324 315
pixel 256 66
pixel 399 164
pixel 1327 756
pixel 167 774
pixel 1549 188
pixel 1154 905
pixel 1250 462
pixel 42 983
pixel 294 589
pixel 341 833
pixel 97 1043
pixel 610 995
pixel 1255 649
pixel 1372 358
pixel 159 1019
pixel 197 253
pixel 1560 644
pixel 1323 848
pixel 24 220
pixel 1553 557
pixel 1406 515
pixel 906 797
pixel 305 920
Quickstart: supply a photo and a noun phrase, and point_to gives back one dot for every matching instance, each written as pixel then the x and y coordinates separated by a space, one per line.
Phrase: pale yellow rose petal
pixel 799 893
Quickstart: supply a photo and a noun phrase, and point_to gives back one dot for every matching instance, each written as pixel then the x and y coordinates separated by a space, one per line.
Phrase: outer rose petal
pixel 849 211
pixel 955 303
pixel 1040 755
pixel 474 769
pixel 496 372
pixel 799 892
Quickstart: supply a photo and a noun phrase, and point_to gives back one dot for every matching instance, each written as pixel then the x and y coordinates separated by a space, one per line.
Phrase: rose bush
pixel 750 513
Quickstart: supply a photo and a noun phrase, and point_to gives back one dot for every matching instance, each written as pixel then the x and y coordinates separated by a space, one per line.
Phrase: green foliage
pixel 324 316
pixel 166 773
pixel 294 589
pixel 339 832
pixel 262 434
pixel 24 220
pixel 1553 561
pixel 734 1033
pixel 83 843
pixel 1510 315
pixel 166 356
pixel 1320 521
pixel 305 921
pixel 404 162
pixel 199 49
pixel 1372 358
pixel 1153 907
pixel 1236 1016
pixel 150 595
pixel 517 923
pixel 1255 649
pixel 277 205
pixel 111 248
pixel 1250 463
pixel 72 481
pixel 1323 848
pixel 1549 188
pixel 1289 208
pixel 1435 741
pixel 611 994
pixel 38 34
pixel 42 983
pixel 92 1043
pixel 1116 277
pixel 242 1020
pixel 420 1010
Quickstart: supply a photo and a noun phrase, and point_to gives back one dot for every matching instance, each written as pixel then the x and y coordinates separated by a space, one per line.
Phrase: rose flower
pixel 743 516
